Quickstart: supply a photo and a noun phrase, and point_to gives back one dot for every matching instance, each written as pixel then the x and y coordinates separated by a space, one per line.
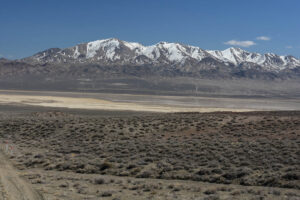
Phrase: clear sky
pixel 29 26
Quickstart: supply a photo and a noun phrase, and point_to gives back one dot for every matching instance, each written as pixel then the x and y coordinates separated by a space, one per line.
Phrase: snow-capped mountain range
pixel 112 52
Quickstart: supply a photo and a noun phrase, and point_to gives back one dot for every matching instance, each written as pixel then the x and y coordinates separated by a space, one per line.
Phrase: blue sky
pixel 29 26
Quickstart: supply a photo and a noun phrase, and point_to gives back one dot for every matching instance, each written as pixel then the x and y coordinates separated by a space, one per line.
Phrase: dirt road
pixel 12 187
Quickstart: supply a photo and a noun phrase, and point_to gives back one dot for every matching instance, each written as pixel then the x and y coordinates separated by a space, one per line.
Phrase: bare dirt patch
pixel 12 187
pixel 90 103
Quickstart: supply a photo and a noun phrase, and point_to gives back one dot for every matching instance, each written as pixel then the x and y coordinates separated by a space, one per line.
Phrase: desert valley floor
pixel 60 147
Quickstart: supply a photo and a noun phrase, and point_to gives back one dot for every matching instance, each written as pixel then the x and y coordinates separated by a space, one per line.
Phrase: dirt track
pixel 12 187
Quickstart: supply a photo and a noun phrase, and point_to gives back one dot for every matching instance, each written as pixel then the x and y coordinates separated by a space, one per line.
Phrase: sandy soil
pixel 153 103
pixel 92 103
pixel 12 187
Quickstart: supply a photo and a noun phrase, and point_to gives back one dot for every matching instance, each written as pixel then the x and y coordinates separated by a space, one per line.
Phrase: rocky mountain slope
pixel 112 64
pixel 113 51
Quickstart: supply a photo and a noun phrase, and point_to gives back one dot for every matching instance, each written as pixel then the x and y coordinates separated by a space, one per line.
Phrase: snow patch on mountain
pixel 269 61
pixel 109 46
pixel 133 45
pixel 76 53
pixel 110 51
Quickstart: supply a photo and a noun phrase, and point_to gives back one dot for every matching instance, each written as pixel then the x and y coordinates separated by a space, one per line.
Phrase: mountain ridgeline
pixel 165 59
pixel 113 59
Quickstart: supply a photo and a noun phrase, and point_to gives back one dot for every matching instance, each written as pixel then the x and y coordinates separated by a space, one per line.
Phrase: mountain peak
pixel 113 51
pixel 234 49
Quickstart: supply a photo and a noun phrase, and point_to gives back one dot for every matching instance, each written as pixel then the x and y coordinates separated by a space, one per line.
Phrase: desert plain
pixel 58 145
